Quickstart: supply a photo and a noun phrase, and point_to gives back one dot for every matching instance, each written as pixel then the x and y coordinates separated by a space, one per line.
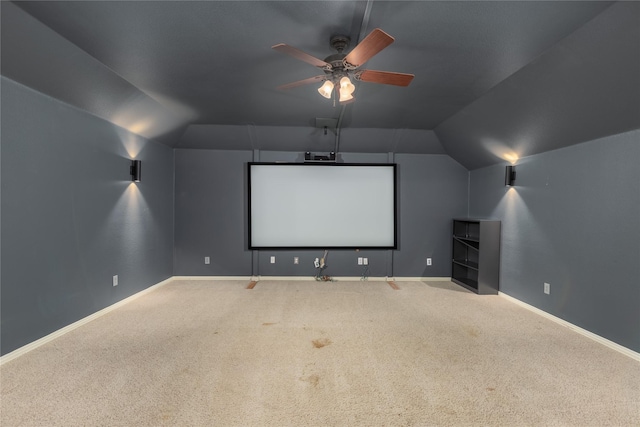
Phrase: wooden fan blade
pixel 385 77
pixel 368 47
pixel 303 56
pixel 302 82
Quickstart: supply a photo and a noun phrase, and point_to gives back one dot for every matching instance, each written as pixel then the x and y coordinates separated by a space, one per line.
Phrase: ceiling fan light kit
pixel 346 89
pixel 338 68
pixel 345 96
pixel 326 89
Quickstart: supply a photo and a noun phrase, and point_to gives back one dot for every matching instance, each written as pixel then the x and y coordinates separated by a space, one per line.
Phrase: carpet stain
pixel 473 332
pixel 269 323
pixel 446 410
pixel 491 389
pixel 311 379
pixel 167 414
pixel 321 342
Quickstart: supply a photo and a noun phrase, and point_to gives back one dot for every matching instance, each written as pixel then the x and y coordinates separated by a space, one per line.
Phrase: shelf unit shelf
pixel 476 255
pixel 466 263
pixel 474 244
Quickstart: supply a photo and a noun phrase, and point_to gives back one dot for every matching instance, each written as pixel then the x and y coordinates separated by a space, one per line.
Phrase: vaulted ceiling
pixel 492 79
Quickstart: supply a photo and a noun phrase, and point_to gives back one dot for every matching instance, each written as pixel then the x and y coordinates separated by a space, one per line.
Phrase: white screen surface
pixel 322 206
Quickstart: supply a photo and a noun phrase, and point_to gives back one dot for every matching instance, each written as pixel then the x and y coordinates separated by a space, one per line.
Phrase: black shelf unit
pixel 476 255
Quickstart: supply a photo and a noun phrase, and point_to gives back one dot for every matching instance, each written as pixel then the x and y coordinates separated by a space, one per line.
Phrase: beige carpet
pixel 199 353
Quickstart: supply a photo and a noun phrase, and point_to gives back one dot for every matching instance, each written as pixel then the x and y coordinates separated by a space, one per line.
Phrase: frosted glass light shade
pixel 345 94
pixel 346 84
pixel 326 89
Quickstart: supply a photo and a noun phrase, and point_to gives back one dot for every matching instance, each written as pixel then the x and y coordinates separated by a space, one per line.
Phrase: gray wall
pixel 210 213
pixel 572 220
pixel 211 217
pixel 71 218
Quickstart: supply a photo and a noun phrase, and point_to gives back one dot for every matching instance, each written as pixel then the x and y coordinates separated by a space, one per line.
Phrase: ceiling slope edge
pixel 39 58
pixel 585 87
pixel 301 139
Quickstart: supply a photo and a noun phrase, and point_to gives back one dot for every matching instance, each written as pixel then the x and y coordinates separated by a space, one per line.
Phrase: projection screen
pixel 322 206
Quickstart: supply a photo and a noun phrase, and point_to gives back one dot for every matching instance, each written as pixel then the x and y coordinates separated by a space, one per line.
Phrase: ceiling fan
pixel 339 67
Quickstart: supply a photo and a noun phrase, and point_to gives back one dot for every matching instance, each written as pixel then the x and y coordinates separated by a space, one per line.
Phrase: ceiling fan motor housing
pixel 339 43
pixel 337 63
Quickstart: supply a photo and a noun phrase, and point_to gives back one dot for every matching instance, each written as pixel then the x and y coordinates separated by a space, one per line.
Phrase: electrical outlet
pixel 296 260
pixel 273 260
pixel 115 280
pixel 428 261
pixel 360 260
pixel 365 261
pixel 207 260
pixel 547 288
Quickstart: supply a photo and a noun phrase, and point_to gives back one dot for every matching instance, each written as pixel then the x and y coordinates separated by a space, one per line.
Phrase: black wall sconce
pixel 135 170
pixel 510 175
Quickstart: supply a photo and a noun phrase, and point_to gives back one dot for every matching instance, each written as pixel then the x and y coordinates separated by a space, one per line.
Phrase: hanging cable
pixel 365 273
pixel 363 31
pixel 321 265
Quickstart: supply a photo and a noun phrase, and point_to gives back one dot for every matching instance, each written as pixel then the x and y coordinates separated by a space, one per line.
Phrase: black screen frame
pixel 332 247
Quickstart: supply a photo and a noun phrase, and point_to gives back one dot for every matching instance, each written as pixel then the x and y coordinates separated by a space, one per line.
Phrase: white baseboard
pixel 283 278
pixel 304 278
pixel 617 347
pixel 245 278
pixel 355 278
pixel 311 278
pixel 421 279
pixel 358 278
pixel 52 336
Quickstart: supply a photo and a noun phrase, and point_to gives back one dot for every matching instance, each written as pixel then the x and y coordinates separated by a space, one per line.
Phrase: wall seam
pixel 468 194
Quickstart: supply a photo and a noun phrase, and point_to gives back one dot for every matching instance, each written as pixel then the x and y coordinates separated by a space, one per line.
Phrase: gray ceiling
pixel 491 78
